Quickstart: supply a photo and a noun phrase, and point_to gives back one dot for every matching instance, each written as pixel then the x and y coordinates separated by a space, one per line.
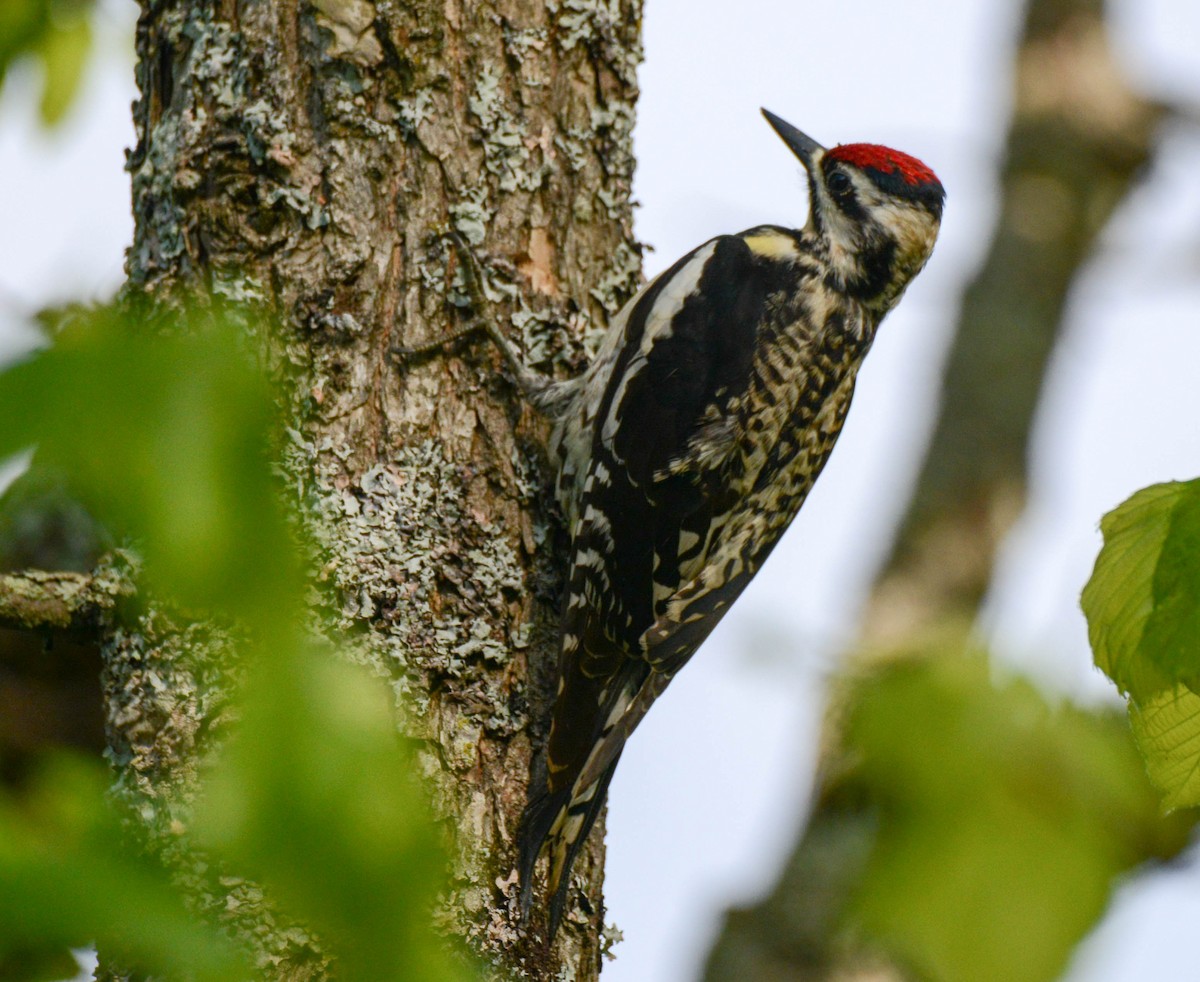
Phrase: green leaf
pixel 165 426
pixel 22 23
pixel 1002 822
pixel 40 964
pixel 58 34
pixel 64 52
pixel 1167 729
pixel 316 798
pixel 164 429
pixel 69 879
pixel 1142 602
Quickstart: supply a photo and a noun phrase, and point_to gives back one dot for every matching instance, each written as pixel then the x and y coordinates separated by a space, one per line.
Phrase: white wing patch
pixel 658 326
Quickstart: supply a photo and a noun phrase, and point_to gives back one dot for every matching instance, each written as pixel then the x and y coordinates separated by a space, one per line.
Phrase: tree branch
pixel 78 603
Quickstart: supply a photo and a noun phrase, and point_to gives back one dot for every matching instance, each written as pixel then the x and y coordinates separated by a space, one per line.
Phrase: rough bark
pixel 1078 139
pixel 74 603
pixel 317 157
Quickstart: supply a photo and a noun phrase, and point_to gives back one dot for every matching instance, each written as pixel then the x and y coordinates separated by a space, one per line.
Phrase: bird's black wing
pixel 656 481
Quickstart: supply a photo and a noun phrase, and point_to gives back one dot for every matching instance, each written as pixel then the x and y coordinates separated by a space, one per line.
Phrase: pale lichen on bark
pixel 76 603
pixel 318 156
pixel 166 682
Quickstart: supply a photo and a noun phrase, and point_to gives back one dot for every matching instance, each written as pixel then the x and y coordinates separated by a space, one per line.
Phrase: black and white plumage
pixel 690 443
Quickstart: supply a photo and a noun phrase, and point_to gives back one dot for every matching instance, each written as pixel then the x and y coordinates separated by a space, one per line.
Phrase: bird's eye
pixel 839 183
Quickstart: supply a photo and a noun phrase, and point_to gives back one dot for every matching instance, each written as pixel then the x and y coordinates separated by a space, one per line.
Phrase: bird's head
pixel 876 209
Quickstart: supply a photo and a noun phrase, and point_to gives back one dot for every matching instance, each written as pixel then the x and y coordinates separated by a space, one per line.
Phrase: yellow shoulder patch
pixel 772 245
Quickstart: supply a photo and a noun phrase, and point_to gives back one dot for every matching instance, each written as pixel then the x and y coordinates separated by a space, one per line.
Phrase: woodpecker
pixel 689 444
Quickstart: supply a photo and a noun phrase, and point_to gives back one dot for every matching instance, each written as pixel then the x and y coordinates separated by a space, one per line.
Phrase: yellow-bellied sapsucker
pixel 690 443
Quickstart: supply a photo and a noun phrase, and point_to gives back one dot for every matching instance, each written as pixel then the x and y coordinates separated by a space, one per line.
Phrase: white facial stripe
pixel 910 225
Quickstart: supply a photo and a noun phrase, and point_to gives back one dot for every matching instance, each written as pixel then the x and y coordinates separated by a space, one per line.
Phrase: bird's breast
pixel 803 358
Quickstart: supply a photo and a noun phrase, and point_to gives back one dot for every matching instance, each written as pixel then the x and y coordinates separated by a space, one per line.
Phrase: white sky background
pixel 706 803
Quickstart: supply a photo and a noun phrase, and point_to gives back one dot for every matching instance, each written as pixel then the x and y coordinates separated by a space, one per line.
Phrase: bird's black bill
pixel 802 145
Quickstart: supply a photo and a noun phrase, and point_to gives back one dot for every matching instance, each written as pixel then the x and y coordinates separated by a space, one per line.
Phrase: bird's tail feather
pixel 569 838
pixel 561 822
pixel 541 814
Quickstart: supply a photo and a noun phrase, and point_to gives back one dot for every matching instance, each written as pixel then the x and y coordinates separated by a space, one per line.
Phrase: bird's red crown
pixel 885 160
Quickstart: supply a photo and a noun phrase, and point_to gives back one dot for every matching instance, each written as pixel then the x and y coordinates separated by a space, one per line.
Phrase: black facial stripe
pixel 931 196
pixel 847 201
pixel 840 187
pixel 876 263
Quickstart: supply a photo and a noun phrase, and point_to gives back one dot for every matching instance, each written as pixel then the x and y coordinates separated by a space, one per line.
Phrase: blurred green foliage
pixel 55 33
pixel 43 527
pixel 316 799
pixel 1000 823
pixel 166 430
pixel 1143 610
pixel 68 877
pixel 166 433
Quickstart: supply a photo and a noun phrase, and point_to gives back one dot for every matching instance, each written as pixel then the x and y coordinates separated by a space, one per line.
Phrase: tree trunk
pixel 1078 139
pixel 335 159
